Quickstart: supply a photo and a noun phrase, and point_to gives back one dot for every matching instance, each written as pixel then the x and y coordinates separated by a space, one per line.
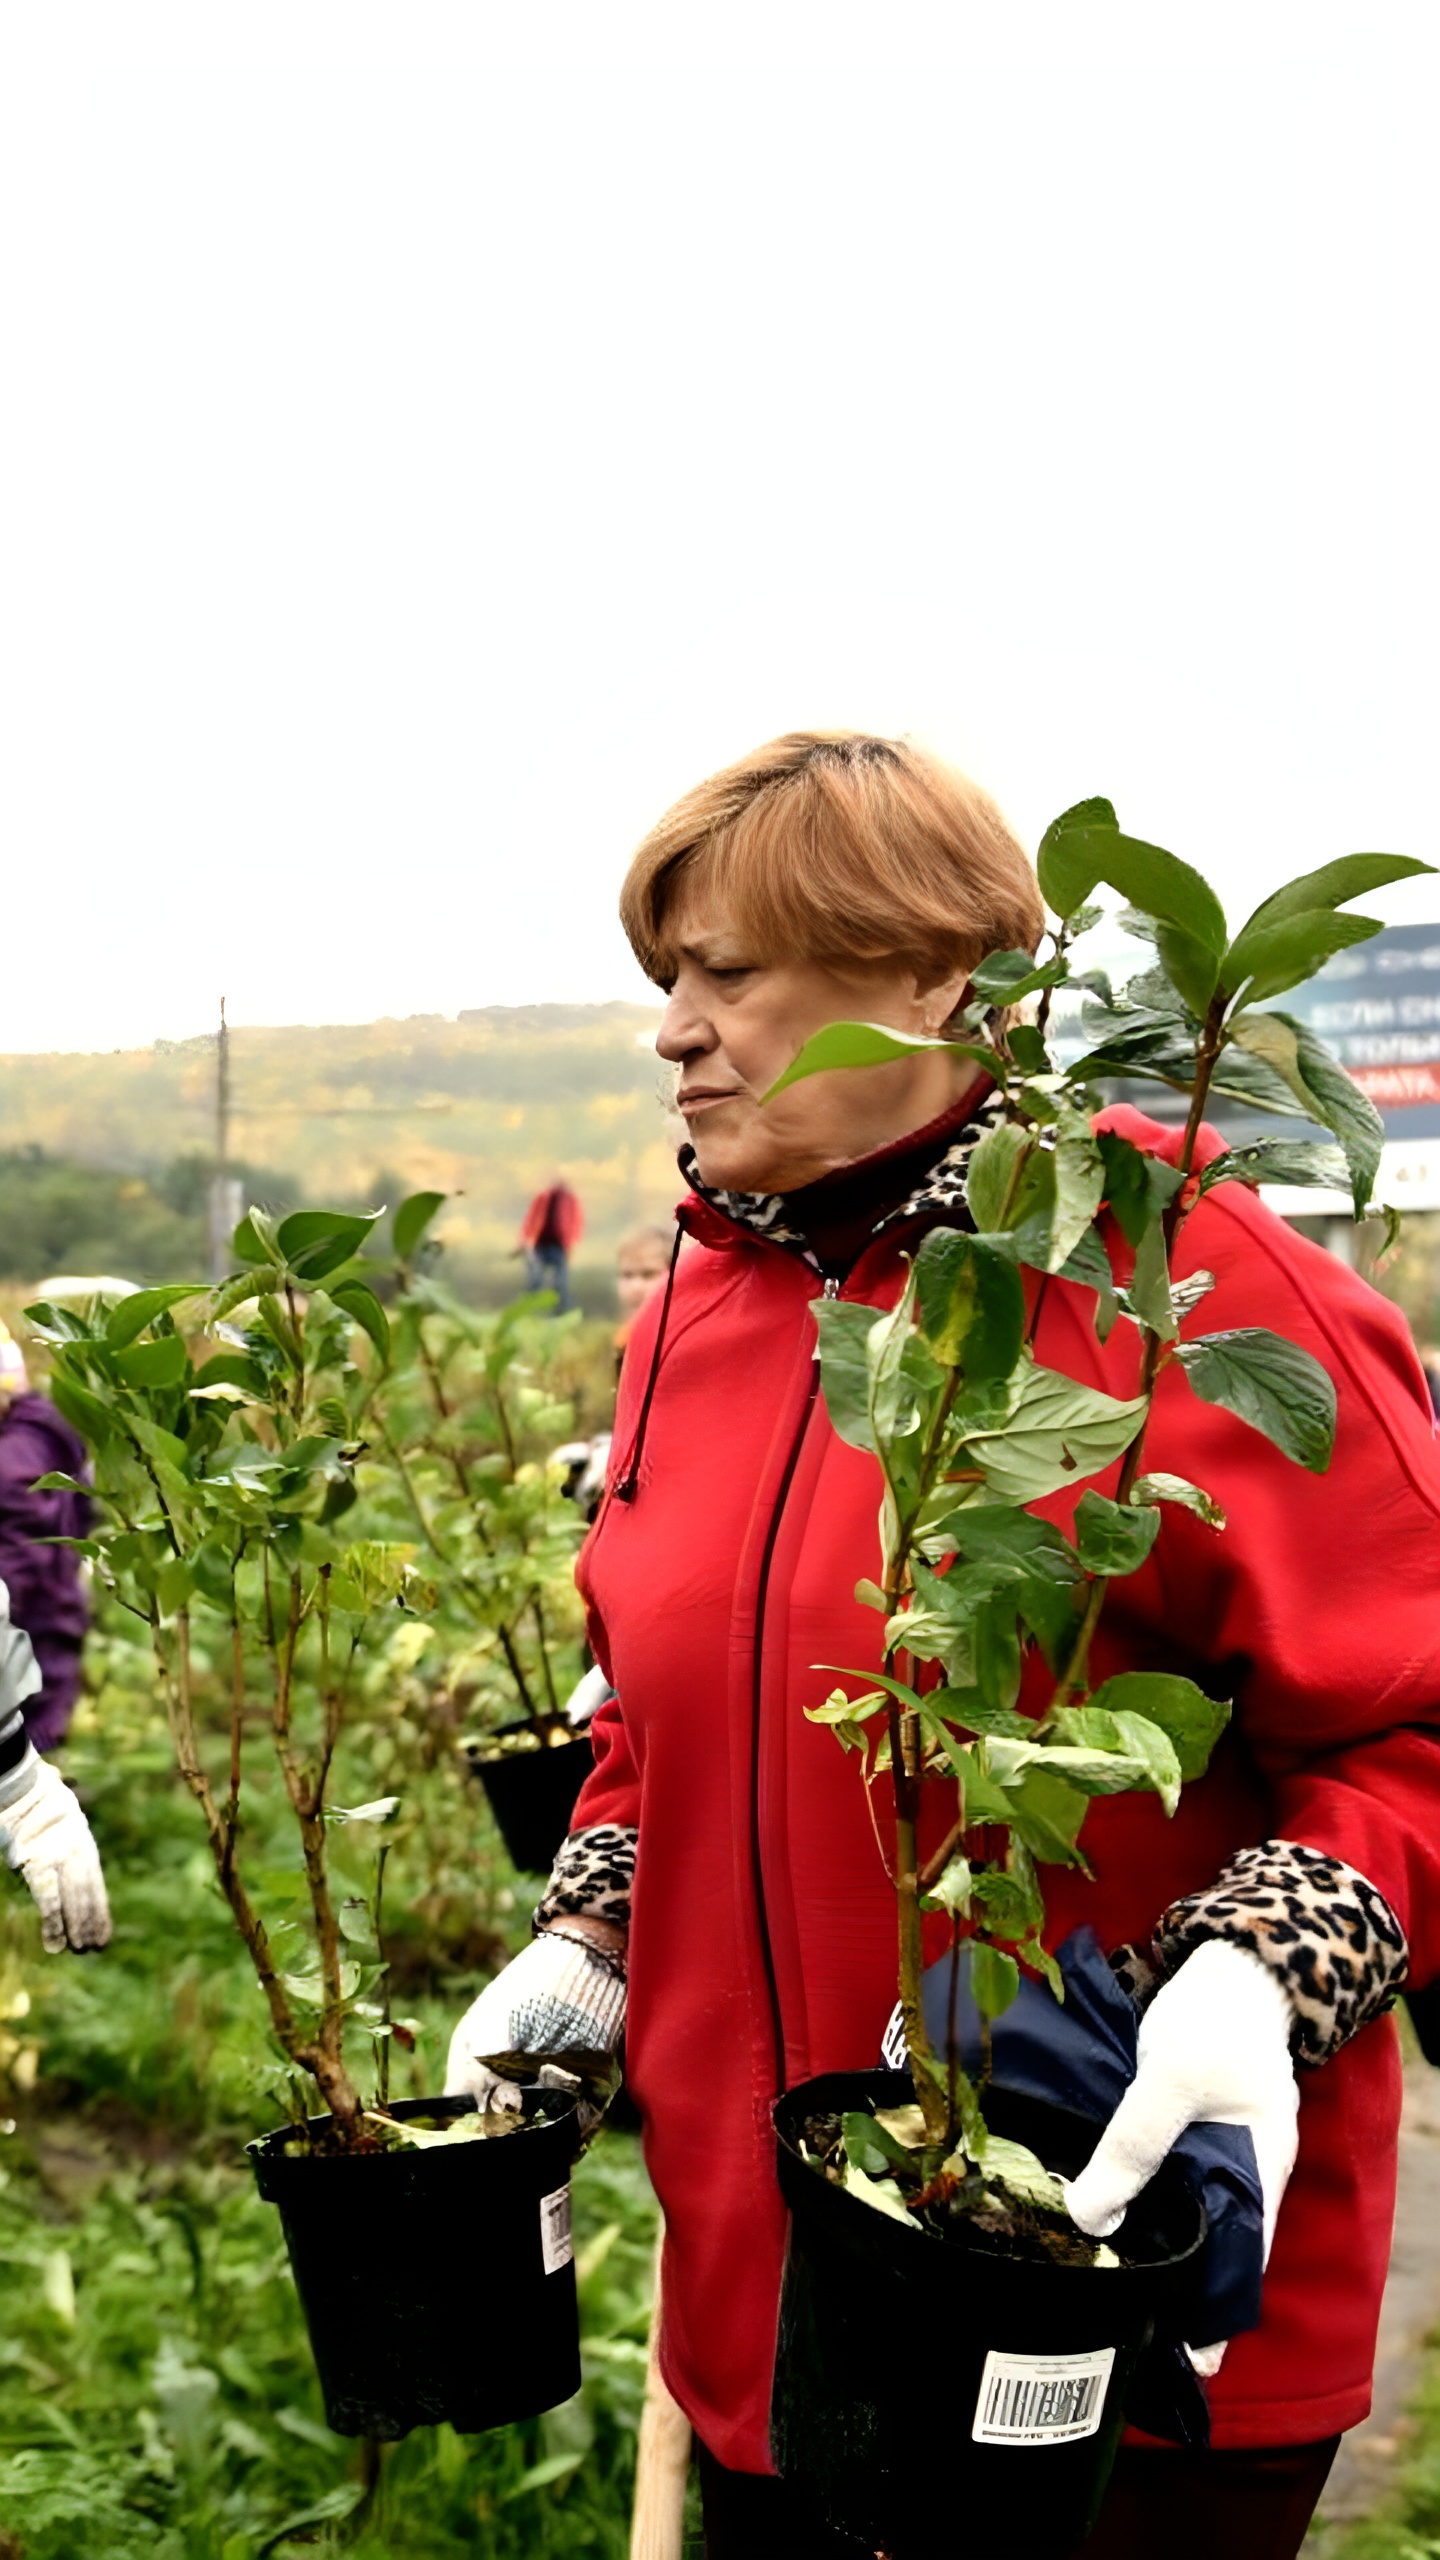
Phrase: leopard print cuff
pixel 592 1877
pixel 1322 1927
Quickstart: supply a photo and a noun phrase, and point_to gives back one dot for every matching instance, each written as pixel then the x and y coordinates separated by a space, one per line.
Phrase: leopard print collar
pixel 938 1193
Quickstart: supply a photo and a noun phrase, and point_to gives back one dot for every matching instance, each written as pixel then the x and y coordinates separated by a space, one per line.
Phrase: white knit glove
pixel 557 2000
pixel 1214 2048
pixel 46 1837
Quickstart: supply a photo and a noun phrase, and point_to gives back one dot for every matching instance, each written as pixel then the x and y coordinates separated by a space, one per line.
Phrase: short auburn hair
pixel 839 847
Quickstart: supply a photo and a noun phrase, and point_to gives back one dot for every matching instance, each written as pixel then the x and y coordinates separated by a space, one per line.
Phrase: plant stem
pixel 179 1700
pixel 1075 1680
pixel 381 1855
pixel 307 1798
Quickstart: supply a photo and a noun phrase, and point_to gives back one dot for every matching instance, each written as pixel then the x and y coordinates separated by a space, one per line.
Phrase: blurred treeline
pixel 104 1159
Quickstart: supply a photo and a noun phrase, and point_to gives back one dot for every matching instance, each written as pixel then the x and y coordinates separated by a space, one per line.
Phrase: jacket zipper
pixel 757 1865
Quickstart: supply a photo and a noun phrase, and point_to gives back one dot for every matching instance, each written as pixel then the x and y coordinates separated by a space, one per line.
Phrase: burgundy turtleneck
pixel 839 1214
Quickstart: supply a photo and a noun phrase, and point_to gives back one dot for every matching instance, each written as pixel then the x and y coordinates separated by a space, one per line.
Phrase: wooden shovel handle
pixel 662 2467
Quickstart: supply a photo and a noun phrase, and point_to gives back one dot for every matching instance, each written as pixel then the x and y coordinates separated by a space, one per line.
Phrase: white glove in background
pixel 46 1837
pixel 557 1997
pixel 1214 2048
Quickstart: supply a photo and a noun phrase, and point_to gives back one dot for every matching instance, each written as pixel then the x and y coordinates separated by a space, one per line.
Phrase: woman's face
pixel 732 1025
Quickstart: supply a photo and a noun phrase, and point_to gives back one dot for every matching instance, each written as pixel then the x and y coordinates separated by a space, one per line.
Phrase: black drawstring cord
pixel 625 1490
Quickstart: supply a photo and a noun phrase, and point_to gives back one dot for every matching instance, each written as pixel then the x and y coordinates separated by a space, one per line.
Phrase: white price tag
pixel 1041 2399
pixel 556 2246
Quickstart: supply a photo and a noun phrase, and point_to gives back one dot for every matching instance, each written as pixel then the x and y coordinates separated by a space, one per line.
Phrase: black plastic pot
pixel 532 1794
pixel 932 2393
pixel 436 2284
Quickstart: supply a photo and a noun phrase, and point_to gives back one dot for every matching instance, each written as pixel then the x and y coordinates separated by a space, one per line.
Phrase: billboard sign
pixel 1378 1007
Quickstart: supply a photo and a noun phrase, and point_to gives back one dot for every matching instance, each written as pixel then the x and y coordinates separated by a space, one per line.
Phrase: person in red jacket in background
pixel 721 1877
pixel 549 1232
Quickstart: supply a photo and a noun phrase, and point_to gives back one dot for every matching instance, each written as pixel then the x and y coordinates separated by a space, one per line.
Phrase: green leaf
pixel 1085 846
pixel 360 1303
pixel 232 1369
pixel 882 2193
pixel 254 1239
pixel 992 1183
pixel 844 1331
pixel 1192 933
pixel 1141 1750
pixel 1308 1161
pixel 83 1411
pixel 1046 1812
pixel 901 1369
pixel 1291 1051
pixel 174 1584
pixel 1079 1184
pixel 838 1709
pixel 1057 1433
pixel 995 1648
pixel 971 1303
pixel 1019 2171
pixel 1137 1186
pixel 315 1241
pixel 1007 976
pixel 1178 1489
pixel 1088 1265
pixel 309 1988
pixel 849 1044
pixel 951 1891
pixel 1149 1292
pixel 1264 961
pixel 994 1981
pixel 1113 1538
pixel 152 1364
pixel 1333 885
pixel 870 2146
pixel 1069 860
pixel 411 1220
pixel 1011 1903
pixel 1193 1722
pixel 992 1533
pixel 130 1316
pixel 1271 1384
pixel 1027 1047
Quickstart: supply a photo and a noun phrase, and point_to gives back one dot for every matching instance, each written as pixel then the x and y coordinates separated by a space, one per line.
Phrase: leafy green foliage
pixel 970 1429
pixel 237 1486
pixel 157 2397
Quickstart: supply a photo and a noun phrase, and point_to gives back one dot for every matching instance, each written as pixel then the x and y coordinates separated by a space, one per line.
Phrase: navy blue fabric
pixel 1080 2053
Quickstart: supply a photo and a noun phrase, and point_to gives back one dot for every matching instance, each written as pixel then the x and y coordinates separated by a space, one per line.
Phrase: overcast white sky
pixel 434 437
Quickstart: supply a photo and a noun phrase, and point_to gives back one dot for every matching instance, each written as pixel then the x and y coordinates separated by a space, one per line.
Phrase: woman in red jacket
pixel 722 1872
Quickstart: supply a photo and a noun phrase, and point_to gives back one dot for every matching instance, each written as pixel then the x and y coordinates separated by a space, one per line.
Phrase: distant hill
pixel 487 1106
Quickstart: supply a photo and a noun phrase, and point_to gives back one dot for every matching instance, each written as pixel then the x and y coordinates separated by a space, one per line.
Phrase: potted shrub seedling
pixel 928 2204
pixel 465 1416
pixel 227 1427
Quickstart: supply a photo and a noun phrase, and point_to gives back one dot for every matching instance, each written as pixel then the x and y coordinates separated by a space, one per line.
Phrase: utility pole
pixel 224 1188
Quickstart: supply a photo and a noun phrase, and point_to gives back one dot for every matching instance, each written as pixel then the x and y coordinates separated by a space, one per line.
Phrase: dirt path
pixel 1412 2308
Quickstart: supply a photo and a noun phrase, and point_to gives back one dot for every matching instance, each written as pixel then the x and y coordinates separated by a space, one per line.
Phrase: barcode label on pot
pixel 1041 2399
pixel 556 2246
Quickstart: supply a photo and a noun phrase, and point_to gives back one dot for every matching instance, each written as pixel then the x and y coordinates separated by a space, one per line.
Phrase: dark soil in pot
pixel 437 2284
pixel 532 1790
pixel 933 2395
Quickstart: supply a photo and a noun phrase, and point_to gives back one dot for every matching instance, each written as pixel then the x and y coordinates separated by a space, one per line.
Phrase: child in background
pixel 641 1265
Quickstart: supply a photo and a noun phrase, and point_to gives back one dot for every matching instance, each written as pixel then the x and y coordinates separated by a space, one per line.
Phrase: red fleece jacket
pixel 763 1940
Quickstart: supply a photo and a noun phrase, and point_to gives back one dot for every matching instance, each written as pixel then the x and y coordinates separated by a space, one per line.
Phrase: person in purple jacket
pixel 43 1615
